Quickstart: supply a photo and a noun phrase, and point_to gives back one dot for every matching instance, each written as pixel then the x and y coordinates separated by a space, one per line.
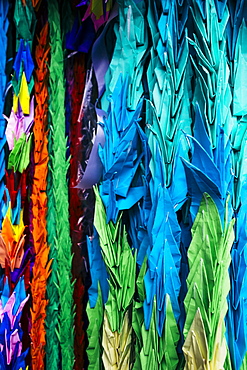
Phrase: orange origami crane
pixel 42 267
pixel 12 241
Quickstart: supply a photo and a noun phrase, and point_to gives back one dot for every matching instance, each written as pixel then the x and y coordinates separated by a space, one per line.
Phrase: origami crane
pixel 121 157
pixel 208 282
pixel 11 306
pixel 12 239
pixel 4 24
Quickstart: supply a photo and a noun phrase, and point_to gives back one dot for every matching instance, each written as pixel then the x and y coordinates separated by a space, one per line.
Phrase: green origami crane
pixel 60 311
pixel 120 263
pixel 95 318
pixel 208 284
pixel 19 157
pixel 152 351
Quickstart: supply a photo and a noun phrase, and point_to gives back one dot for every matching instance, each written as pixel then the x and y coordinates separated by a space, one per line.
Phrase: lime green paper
pixel 150 349
pixel 170 338
pixel 155 353
pixel 138 314
pixel 244 364
pixel 208 280
pixel 94 333
pixel 120 263
pixel 19 157
pixel 227 364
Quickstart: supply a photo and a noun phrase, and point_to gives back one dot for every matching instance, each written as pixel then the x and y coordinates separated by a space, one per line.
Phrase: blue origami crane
pixel 237 302
pixel 11 355
pixel 210 170
pixel 122 155
pixel 97 269
pixel 163 262
pixel 23 61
